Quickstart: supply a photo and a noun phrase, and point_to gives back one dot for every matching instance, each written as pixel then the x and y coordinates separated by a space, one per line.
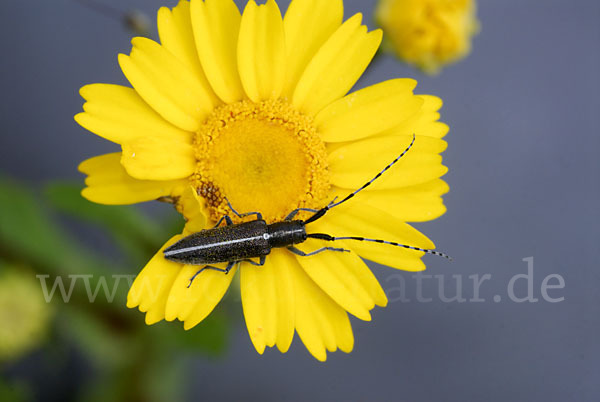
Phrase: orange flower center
pixel 264 157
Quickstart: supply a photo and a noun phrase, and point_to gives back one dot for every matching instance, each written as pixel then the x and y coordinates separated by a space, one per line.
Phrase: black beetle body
pixel 236 242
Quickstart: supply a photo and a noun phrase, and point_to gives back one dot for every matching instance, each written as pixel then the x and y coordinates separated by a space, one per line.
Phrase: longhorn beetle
pixel 236 243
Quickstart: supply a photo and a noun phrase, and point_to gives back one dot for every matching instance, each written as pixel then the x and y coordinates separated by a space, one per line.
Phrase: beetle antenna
pixel 324 210
pixel 326 237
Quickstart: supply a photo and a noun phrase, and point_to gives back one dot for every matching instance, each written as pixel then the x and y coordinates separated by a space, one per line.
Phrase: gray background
pixel 523 158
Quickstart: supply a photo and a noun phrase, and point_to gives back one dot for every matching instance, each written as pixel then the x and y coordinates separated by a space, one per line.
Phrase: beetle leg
pixel 295 211
pixel 260 263
pixel 314 211
pixel 258 214
pixel 303 254
pixel 230 265
pixel 225 271
pixel 227 220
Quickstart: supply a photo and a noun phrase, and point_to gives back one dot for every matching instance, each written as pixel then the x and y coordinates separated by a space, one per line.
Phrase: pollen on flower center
pixel 264 157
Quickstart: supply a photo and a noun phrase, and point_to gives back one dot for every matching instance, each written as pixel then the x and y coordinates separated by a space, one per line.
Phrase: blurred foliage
pixel 28 234
pixel 14 392
pixel 133 232
pixel 127 359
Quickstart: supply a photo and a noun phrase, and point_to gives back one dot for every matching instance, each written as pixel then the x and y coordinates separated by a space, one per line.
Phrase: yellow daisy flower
pixel 428 33
pixel 252 108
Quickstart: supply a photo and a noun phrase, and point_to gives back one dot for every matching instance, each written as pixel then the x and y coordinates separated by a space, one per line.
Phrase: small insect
pixel 236 243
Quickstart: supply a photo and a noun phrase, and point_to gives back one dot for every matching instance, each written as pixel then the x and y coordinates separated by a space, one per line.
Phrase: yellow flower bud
pixel 428 33
pixel 24 314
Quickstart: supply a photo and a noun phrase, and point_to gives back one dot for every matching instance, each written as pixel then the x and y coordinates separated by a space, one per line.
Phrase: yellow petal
pixel 176 35
pixel 166 84
pixel 258 299
pixel 369 111
pixel 194 304
pixel 431 103
pixel 307 24
pixel 424 122
pixel 109 183
pixel 419 203
pixel 268 301
pixel 261 51
pixel 328 271
pixel 337 66
pixel 157 159
pixel 194 210
pixel 356 218
pixel 354 164
pixel 152 286
pixel 349 268
pixel 118 114
pixel 216 25
pixel 283 264
pixel 321 323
